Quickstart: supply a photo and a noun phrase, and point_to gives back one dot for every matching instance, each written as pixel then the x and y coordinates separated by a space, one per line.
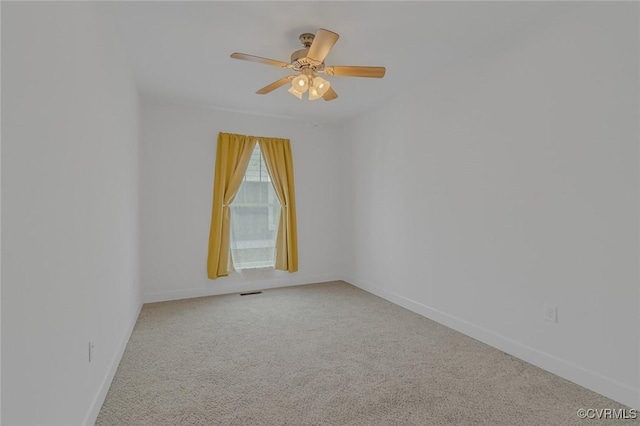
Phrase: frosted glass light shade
pixel 321 85
pixel 314 94
pixel 300 83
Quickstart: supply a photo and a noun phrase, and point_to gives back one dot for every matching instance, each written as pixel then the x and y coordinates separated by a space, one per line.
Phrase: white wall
pixel 504 185
pixel 178 158
pixel 70 215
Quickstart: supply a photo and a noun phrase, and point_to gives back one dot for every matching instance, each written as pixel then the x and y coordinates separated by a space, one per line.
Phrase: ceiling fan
pixel 308 62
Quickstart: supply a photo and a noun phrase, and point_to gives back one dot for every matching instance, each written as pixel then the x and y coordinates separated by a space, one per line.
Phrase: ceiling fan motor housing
pixel 300 61
pixel 299 55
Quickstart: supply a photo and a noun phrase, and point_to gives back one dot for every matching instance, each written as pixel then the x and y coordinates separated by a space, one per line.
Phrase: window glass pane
pixel 254 215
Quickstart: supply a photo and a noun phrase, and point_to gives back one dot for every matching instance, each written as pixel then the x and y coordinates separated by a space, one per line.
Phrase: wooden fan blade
pixel 330 94
pixel 322 44
pixel 273 86
pixel 258 59
pixel 349 71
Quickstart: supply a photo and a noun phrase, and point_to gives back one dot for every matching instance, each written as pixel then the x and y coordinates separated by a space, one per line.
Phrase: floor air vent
pixel 249 293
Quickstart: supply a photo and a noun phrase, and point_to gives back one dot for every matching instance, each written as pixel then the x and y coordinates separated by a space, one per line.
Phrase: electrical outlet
pixel 92 350
pixel 550 313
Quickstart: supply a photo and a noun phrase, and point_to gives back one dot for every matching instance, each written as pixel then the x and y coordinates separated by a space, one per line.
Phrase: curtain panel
pixel 232 158
pixel 277 157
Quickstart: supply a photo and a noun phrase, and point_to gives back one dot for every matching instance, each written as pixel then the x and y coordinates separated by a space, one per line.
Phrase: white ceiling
pixel 180 50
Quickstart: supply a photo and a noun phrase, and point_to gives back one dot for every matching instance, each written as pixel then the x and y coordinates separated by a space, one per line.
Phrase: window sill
pixel 255 268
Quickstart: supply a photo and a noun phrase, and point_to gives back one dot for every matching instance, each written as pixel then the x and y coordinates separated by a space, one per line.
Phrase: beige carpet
pixel 325 354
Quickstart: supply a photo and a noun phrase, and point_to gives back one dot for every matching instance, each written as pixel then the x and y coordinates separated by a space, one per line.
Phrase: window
pixel 256 209
pixel 254 215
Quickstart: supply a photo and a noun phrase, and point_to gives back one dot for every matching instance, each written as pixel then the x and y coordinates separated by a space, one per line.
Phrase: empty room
pixel 320 213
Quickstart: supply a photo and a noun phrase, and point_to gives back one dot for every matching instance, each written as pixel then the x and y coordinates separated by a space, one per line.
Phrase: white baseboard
pixel 220 287
pixel 98 400
pixel 589 379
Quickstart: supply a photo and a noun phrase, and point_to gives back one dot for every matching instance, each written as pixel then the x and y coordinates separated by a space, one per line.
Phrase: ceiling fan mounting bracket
pixel 307 39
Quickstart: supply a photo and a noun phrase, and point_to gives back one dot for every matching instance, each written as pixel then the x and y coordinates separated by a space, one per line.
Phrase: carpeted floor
pixel 325 354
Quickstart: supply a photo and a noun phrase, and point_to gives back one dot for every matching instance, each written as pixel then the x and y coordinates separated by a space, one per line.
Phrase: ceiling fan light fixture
pixel 321 85
pixel 314 94
pixel 300 83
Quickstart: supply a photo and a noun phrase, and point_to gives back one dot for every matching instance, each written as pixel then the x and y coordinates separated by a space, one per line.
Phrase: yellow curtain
pixel 279 161
pixel 232 157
